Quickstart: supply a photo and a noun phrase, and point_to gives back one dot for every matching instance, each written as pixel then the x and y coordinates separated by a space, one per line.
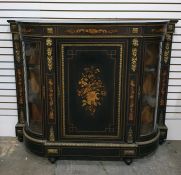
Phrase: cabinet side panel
pixel 19 74
pixel 164 75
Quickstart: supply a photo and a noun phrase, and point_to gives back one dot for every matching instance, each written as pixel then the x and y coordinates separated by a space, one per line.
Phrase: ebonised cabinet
pixel 92 89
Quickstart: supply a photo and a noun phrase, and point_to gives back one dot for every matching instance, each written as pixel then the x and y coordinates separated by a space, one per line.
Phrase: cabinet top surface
pixel 91 21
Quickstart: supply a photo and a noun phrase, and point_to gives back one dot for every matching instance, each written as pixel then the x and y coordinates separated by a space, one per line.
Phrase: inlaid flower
pixel 91 89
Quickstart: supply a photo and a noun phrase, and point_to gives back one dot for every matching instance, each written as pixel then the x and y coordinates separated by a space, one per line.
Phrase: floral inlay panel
pixel 91 89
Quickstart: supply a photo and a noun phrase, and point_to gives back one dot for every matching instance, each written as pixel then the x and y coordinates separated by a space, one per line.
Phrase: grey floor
pixel 16 160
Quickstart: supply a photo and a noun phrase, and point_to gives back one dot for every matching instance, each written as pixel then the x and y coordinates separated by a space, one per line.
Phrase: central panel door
pixel 91 80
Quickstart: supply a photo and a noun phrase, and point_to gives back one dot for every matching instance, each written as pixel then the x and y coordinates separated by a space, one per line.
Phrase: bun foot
pixel 161 141
pixel 52 159
pixel 128 161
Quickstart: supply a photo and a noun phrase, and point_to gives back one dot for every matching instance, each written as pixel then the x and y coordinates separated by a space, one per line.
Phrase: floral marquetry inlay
pixel 49 53
pixel 166 52
pixel 50 99
pixel 49 42
pixel 132 99
pixel 91 89
pixel 163 87
pixel 134 54
pixel 20 86
pixel 167 48
pixel 17 51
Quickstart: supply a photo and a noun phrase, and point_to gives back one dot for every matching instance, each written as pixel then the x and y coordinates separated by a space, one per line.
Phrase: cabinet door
pixel 33 84
pixel 91 81
pixel 150 71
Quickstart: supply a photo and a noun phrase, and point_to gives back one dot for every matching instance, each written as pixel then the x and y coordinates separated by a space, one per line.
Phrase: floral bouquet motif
pixel 91 89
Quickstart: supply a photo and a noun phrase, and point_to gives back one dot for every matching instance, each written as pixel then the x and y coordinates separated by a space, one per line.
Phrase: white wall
pixel 56 9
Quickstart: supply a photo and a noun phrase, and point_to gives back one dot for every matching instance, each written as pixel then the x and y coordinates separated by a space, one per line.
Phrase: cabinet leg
pixel 52 159
pixel 128 161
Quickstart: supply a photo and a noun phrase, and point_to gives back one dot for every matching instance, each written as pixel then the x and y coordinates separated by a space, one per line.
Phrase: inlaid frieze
pixel 132 100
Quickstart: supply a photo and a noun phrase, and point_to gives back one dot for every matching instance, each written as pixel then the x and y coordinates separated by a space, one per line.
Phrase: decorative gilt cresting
pixel 49 53
pixel 134 54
